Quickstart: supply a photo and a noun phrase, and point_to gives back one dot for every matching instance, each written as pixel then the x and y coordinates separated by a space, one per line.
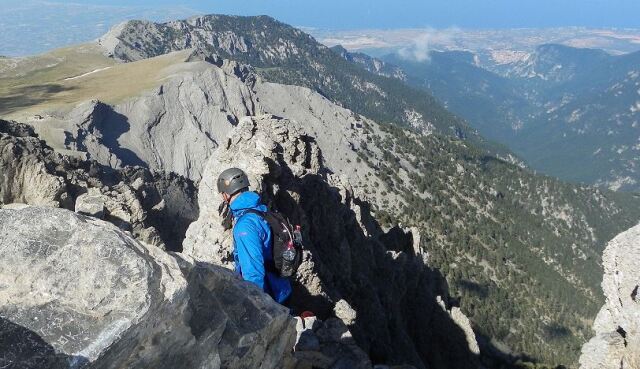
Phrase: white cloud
pixel 431 39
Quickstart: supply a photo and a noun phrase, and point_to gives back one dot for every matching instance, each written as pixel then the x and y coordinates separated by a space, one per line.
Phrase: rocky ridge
pixel 155 207
pixel 482 222
pixel 402 176
pixel 169 128
pixel 322 343
pixel 373 65
pixel 616 343
pixel 405 321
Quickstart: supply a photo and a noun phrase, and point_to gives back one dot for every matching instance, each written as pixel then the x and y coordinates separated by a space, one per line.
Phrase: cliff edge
pixel 617 341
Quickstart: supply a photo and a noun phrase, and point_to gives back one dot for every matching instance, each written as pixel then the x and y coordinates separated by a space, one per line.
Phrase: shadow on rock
pixel 22 348
pixel 106 126
pixel 397 316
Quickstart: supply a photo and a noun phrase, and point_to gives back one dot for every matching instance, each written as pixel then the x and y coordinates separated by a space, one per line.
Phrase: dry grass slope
pixel 62 78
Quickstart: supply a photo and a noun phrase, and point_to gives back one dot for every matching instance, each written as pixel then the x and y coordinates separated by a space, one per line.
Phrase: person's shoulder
pixel 249 221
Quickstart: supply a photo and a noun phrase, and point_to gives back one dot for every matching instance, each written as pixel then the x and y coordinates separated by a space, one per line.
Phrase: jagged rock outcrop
pixel 155 207
pixel 327 344
pixel 617 341
pixel 373 281
pixel 25 177
pixel 76 292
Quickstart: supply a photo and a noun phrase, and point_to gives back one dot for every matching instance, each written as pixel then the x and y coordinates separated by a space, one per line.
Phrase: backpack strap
pixel 269 265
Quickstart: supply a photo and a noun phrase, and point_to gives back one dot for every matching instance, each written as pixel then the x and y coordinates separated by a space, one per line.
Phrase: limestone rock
pixel 91 204
pixel 25 177
pixel 95 297
pixel 327 345
pixel 130 41
pixel 344 312
pixel 616 343
pixel 257 152
pixel 155 207
pixel 465 324
pixel 173 127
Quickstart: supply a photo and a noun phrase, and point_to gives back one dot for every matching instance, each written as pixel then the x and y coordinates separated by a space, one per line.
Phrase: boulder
pixel 616 343
pixel 327 345
pixel 343 310
pixel 78 292
pixel 91 204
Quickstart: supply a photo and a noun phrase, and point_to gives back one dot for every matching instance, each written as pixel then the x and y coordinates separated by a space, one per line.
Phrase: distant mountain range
pixel 568 112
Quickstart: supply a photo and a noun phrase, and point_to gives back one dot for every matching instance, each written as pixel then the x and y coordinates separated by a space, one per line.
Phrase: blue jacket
pixel 252 246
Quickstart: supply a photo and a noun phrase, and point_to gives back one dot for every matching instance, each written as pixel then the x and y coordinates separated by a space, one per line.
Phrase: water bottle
pixel 297 236
pixel 288 258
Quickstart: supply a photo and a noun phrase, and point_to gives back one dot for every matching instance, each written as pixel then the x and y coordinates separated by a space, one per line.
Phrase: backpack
pixel 284 238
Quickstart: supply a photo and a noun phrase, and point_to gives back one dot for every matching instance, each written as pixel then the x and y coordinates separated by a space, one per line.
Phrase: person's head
pixel 232 182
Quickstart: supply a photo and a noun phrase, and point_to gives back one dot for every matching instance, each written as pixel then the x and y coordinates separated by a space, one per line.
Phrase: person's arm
pixel 248 240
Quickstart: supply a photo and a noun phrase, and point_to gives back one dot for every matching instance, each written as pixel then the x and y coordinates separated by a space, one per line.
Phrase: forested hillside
pixel 521 250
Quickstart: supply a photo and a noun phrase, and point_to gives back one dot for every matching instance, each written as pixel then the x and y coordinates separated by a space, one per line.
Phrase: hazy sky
pixel 350 14
pixel 33 26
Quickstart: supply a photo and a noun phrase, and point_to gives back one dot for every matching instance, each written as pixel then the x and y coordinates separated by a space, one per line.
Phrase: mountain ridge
pixel 278 48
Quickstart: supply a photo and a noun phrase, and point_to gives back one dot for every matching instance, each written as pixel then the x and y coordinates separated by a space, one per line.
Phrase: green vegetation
pixel 521 251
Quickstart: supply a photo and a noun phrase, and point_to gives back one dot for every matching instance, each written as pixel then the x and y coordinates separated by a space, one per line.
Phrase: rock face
pixel 91 203
pixel 617 326
pixel 373 65
pixel 372 281
pixel 156 208
pixel 327 344
pixel 173 127
pixel 95 297
pixel 25 177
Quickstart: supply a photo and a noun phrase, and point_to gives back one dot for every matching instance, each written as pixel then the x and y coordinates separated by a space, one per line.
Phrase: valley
pixel 566 112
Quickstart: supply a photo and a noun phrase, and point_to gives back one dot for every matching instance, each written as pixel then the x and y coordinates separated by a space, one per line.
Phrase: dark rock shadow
pixel 110 125
pixel 22 348
pixel 481 290
pixel 393 292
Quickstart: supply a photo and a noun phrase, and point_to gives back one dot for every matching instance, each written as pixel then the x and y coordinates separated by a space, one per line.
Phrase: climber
pixel 252 236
